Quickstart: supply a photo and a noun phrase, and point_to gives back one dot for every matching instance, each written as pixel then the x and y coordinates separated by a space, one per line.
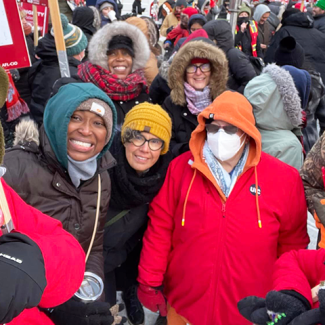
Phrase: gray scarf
pixel 81 170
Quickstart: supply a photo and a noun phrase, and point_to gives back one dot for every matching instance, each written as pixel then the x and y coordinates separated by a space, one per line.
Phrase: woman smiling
pixel 142 161
pixel 118 52
pixel 197 75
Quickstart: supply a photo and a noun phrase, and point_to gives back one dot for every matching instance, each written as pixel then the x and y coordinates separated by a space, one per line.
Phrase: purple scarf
pixel 197 100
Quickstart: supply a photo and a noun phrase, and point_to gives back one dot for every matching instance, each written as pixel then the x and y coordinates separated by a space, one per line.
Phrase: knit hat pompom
pixel 151 118
pixel 74 38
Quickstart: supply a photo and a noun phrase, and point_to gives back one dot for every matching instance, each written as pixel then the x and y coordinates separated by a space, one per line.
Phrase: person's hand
pixel 243 26
pixel 169 29
pixel 277 308
pixel 22 275
pixel 153 299
pixel 112 15
pixel 263 46
pixel 319 206
pixel 75 312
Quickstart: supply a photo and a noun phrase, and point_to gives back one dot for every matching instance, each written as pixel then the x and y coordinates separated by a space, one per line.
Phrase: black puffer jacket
pixel 184 122
pixel 241 70
pixel 319 22
pixel 300 26
pixel 123 235
pixel 43 75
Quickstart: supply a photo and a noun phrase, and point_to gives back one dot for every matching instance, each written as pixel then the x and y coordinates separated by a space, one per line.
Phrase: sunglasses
pixel 229 129
pixel 206 67
pixel 154 144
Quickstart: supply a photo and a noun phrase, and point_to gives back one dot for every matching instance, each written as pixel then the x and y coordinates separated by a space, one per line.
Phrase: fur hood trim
pixel 288 92
pixel 98 45
pixel 197 49
pixel 26 131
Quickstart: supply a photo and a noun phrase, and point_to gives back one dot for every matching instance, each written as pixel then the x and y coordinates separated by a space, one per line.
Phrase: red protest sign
pixel 13 48
pixel 42 17
pixel 36 2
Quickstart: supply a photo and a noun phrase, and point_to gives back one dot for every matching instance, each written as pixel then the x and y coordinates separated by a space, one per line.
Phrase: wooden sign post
pixel 35 21
pixel 59 38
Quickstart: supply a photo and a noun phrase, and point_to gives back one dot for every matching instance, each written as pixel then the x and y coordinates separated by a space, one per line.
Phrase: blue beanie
pixel 302 82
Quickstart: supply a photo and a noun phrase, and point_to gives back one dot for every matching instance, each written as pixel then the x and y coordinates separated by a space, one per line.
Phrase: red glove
pixel 153 299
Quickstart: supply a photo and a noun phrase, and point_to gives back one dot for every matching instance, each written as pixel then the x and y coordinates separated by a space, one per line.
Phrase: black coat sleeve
pixel 270 53
pixel 159 90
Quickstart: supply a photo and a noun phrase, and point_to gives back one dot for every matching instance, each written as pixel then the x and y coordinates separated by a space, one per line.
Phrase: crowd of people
pixel 176 164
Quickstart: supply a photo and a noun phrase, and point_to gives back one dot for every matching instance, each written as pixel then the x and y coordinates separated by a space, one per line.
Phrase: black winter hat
pixel 121 42
pixel 289 52
pixel 180 3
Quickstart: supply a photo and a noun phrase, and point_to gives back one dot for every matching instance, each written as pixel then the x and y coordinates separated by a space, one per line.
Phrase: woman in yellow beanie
pixel 142 156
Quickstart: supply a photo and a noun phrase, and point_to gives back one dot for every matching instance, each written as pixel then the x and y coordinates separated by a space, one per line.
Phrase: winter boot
pixel 161 320
pixel 133 306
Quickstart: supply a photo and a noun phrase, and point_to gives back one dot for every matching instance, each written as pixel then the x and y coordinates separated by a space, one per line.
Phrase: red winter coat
pixel 300 271
pixel 221 255
pixel 64 259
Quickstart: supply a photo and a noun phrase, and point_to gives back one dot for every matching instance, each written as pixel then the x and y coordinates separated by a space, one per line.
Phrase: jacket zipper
pixel 223 210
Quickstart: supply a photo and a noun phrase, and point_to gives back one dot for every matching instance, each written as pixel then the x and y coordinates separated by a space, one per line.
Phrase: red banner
pixel 42 17
pixel 13 48
pixel 36 2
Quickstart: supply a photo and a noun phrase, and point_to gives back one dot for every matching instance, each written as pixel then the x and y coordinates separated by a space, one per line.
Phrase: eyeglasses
pixel 154 144
pixel 229 129
pixel 206 67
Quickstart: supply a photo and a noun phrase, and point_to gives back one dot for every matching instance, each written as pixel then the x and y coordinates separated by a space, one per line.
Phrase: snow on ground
pixel 150 317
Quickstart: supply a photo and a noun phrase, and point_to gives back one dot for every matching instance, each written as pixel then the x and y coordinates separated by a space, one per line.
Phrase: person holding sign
pixel 41 265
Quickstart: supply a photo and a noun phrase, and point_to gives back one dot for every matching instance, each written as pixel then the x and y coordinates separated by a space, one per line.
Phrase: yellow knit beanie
pixel 150 118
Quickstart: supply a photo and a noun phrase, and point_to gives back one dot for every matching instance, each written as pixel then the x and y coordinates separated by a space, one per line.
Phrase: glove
pixel 153 299
pixel 75 312
pixel 286 306
pixel 22 275
pixel 169 30
pixel 112 15
pixel 319 205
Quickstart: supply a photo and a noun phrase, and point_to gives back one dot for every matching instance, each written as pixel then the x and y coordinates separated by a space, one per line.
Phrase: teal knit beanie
pixel 74 38
pixel 320 4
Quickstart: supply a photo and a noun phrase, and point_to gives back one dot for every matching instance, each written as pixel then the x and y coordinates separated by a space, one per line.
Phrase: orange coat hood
pixel 233 108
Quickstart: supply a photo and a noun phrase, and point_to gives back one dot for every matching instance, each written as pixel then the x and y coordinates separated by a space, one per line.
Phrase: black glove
pixel 169 30
pixel 287 304
pixel 75 312
pixel 22 275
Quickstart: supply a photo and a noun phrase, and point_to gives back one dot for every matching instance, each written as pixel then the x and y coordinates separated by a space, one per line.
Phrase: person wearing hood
pixel 261 15
pixel 241 70
pixel 108 11
pixel 62 171
pixel 118 54
pixel 246 34
pixel 41 265
pixel 165 9
pixel 319 15
pixel 290 52
pixel 136 8
pixel 220 221
pixel 181 30
pixel 159 89
pixel 172 19
pixel 196 76
pixel 151 68
pixel 141 152
pixel 46 71
pixel 206 9
pixel 299 25
pixel 279 116
pixel 196 22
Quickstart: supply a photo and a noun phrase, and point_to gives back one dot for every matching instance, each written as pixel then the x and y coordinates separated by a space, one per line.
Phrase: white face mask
pixel 223 145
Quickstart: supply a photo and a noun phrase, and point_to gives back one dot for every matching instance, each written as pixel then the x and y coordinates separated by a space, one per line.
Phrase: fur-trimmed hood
pixel 197 49
pixel 276 102
pixel 98 45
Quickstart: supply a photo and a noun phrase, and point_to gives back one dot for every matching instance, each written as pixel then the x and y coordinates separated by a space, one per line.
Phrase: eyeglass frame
pixel 147 140
pixel 218 127
pixel 198 67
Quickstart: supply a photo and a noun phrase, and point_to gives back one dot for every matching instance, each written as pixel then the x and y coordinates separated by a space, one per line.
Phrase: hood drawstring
pixel 256 196
pixel 187 194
